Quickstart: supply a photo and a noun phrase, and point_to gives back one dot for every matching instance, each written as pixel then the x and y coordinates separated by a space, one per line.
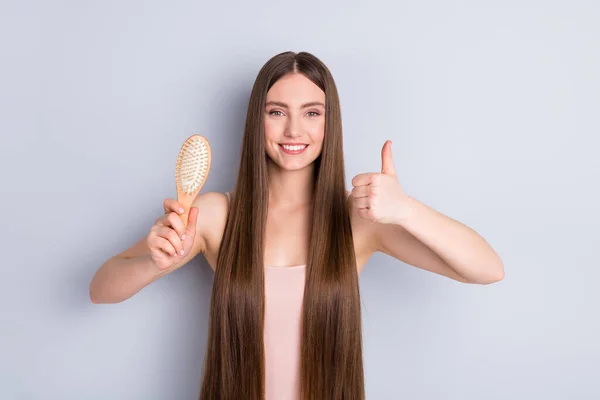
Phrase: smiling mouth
pixel 295 149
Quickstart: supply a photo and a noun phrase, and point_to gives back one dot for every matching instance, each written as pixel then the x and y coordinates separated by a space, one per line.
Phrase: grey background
pixel 493 112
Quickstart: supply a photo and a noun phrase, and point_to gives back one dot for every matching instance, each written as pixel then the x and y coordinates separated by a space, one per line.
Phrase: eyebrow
pixel 280 104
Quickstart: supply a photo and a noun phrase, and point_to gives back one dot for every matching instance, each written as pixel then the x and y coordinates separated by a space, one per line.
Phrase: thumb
pixel 387 164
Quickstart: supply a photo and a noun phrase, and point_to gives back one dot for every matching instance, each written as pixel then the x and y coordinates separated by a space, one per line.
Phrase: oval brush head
pixel 191 171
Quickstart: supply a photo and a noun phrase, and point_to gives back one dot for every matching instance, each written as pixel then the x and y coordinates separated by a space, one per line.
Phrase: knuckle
pixel 174 237
pixel 155 244
pixel 166 246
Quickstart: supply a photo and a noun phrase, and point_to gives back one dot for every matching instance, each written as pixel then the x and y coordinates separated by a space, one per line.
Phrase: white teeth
pixel 293 148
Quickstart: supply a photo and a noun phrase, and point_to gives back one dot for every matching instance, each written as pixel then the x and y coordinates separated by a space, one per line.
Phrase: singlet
pixel 284 293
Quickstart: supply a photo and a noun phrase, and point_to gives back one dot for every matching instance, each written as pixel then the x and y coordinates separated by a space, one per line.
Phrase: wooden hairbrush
pixel 191 171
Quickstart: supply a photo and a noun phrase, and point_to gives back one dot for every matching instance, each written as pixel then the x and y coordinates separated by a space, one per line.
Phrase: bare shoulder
pixel 363 233
pixel 212 217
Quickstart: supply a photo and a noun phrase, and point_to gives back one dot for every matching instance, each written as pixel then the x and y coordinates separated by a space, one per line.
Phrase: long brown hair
pixel 331 349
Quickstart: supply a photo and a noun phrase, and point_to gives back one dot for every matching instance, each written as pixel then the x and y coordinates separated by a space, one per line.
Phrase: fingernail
pixel 181 210
pixel 181 252
pixel 183 237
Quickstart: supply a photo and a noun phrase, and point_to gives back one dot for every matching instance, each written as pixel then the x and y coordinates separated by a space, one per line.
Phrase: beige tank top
pixel 284 292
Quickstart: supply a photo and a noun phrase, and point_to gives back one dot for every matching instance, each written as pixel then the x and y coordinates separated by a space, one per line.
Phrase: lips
pixel 293 149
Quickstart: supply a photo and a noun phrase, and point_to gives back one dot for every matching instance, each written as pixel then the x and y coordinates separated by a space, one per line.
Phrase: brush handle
pixel 186 203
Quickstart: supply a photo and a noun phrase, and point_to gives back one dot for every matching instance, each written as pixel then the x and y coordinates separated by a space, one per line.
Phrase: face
pixel 294 122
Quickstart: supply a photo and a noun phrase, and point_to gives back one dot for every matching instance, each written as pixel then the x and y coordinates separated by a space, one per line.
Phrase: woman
pixel 285 311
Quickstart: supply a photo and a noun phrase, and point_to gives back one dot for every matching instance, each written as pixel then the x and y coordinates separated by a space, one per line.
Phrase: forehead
pixel 295 89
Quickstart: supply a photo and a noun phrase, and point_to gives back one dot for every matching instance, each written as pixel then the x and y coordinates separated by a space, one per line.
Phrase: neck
pixel 290 188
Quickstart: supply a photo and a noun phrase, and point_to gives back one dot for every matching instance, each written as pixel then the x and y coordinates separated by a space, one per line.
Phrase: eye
pixel 314 114
pixel 274 112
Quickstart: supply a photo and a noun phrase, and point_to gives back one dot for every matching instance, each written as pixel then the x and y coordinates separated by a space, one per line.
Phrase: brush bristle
pixel 193 165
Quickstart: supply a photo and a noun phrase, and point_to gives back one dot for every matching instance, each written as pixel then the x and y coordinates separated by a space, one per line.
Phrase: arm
pixel 408 230
pixel 432 241
pixel 126 273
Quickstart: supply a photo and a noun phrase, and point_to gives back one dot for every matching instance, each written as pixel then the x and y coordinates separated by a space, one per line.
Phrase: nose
pixel 292 129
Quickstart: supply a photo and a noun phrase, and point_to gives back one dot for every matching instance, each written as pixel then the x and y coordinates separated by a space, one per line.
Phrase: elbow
pixel 96 294
pixel 499 273
pixel 493 275
pixel 93 295
pixel 94 300
pixel 97 289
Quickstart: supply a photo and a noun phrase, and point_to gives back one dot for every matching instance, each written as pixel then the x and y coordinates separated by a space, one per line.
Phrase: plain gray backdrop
pixel 492 107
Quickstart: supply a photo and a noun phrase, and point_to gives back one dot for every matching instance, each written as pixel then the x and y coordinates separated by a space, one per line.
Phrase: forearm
pixel 460 246
pixel 120 278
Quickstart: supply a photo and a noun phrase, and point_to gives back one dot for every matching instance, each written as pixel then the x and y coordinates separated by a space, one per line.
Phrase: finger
pixel 387 162
pixel 164 245
pixel 363 179
pixel 176 223
pixel 172 205
pixel 362 202
pixel 192 219
pixel 172 236
pixel 360 191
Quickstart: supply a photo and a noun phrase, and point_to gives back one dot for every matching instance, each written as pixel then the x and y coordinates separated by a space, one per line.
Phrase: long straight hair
pixel 331 365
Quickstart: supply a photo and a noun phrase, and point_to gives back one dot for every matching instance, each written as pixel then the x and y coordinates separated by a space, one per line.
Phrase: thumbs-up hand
pixel 378 197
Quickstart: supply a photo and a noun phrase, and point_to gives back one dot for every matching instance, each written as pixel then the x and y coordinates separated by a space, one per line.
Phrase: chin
pixel 291 165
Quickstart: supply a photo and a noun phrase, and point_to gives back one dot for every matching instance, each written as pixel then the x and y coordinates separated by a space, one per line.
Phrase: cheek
pixel 273 130
pixel 269 130
pixel 317 133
